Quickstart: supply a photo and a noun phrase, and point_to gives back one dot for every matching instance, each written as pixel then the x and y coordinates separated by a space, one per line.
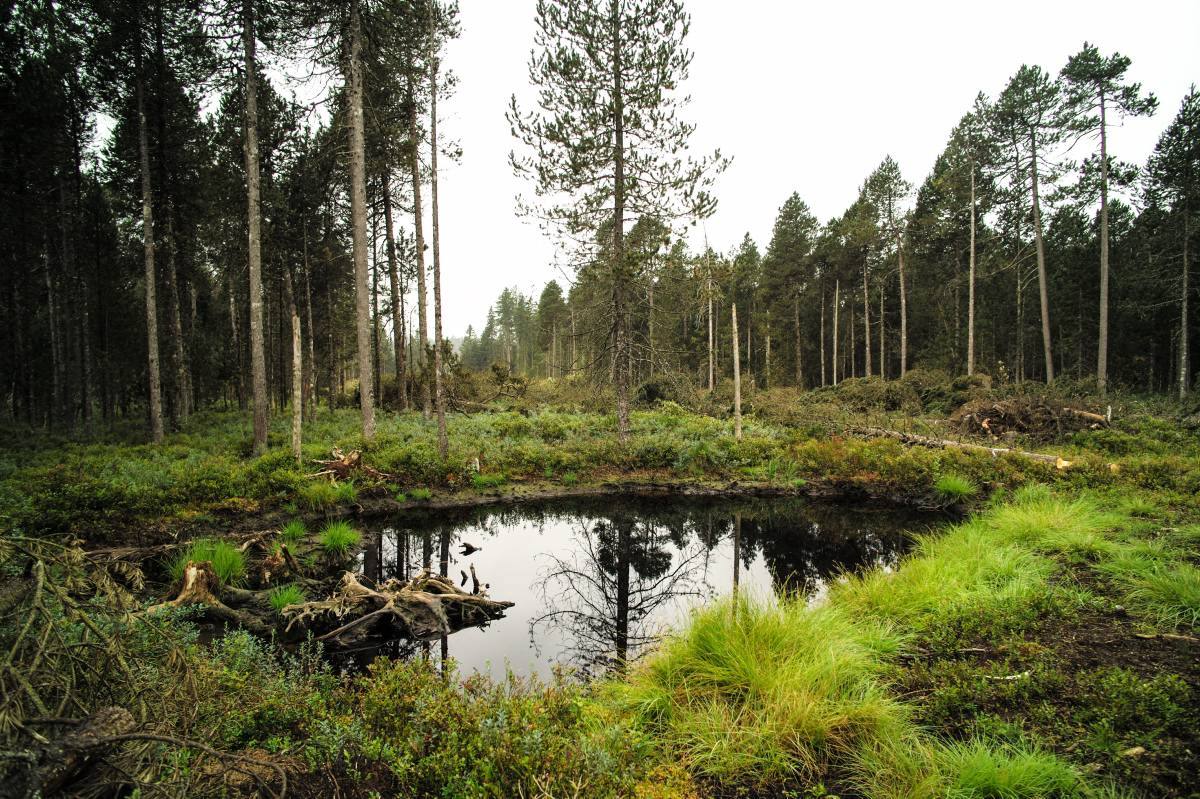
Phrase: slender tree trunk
pixel 767 355
pixel 824 382
pixel 712 359
pixel 737 558
pixel 439 389
pixel 837 289
pixel 376 332
pixel 866 322
pixel 650 326
pixel 737 377
pixel 1184 364
pixel 310 392
pixel 1102 346
pixel 156 422
pixel 358 214
pixel 334 359
pixel 796 323
pixel 853 343
pixel 620 322
pixel 297 386
pixel 178 360
pixel 398 332
pixel 419 234
pixel 882 354
pixel 1043 288
pixel 258 362
pixel 971 284
pixel 903 309
pixel 237 343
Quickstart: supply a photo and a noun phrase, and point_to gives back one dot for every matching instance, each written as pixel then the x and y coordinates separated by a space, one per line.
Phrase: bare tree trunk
pixel 419 233
pixel 882 354
pixel 1184 364
pixel 866 322
pixel 178 360
pixel 712 362
pixel 737 557
pixel 237 344
pixel 439 389
pixel 837 289
pixel 1043 289
pixel 823 380
pixel 1102 347
pixel 971 285
pixel 799 358
pixel 853 343
pixel 620 323
pixel 258 365
pixel 297 385
pixel 310 393
pixel 358 213
pixel 376 333
pixel 903 309
pixel 398 330
pixel 737 377
pixel 650 326
pixel 156 423
pixel 767 365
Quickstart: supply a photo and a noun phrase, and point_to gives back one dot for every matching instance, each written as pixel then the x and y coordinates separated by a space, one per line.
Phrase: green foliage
pixel 420 494
pixel 338 538
pixel 318 494
pixel 979 770
pixel 228 562
pixel 954 487
pixel 293 532
pixel 283 595
pixel 486 481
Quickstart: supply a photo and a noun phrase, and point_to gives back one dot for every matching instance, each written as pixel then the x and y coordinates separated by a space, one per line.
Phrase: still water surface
pixel 599 580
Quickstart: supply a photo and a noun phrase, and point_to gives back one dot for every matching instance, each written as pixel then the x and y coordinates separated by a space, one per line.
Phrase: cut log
pixel 75 752
pixel 424 608
pixel 914 439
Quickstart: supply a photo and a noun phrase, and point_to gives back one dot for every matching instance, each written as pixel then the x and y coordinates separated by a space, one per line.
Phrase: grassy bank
pixel 204 478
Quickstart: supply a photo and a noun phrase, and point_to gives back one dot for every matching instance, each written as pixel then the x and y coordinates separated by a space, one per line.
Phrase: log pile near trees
pixel 1036 418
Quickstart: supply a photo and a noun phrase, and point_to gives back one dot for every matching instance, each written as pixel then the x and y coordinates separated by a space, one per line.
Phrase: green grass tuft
pixel 317 494
pixel 955 487
pixel 345 492
pixel 420 494
pixel 227 560
pixel 338 538
pixel 483 482
pixel 293 532
pixel 980 769
pixel 283 595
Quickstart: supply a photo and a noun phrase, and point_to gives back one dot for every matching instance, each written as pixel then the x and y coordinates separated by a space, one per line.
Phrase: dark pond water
pixel 600 580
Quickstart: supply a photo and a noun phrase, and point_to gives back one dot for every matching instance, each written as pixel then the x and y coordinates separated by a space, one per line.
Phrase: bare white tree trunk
pixel 439 389
pixel 419 234
pixel 1043 289
pixel 737 378
pixel 971 285
pixel 358 214
pixel 258 362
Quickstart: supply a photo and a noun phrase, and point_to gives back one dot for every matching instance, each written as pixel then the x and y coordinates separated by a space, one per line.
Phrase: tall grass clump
pixel 227 560
pixel 338 538
pixel 978 769
pixel 345 492
pixel 283 595
pixel 318 494
pixel 771 693
pixel 1169 593
pixel 955 487
pixel 293 532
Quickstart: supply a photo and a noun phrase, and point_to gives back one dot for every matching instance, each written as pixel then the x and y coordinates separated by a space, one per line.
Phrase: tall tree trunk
pixel 620 322
pixel 419 234
pixel 398 330
pixel 903 309
pixel 258 360
pixel 156 422
pixel 297 386
pixel 837 289
pixel 439 390
pixel 358 214
pixel 824 382
pixel 650 325
pixel 971 284
pixel 178 360
pixel 1184 364
pixel 712 361
pixel 310 383
pixel 1102 345
pixel 376 332
pixel 237 343
pixel 853 343
pixel 737 377
pixel 1043 288
pixel 796 323
pixel 882 354
pixel 866 322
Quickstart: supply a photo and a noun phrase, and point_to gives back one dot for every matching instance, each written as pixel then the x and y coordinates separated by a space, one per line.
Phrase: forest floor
pixel 1045 646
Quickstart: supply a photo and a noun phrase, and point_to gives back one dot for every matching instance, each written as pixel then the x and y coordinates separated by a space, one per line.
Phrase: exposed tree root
pixel 426 607
pixel 343 466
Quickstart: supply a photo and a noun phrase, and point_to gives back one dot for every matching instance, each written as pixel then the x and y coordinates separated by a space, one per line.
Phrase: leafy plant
pixel 420 494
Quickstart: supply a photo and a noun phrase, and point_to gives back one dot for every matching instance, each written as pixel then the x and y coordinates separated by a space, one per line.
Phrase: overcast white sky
pixel 804 96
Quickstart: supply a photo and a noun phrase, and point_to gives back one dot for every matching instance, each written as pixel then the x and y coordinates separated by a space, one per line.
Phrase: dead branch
pixel 914 439
pixel 343 466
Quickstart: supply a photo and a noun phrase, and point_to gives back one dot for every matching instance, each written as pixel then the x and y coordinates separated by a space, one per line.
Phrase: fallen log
pixel 913 439
pixel 424 608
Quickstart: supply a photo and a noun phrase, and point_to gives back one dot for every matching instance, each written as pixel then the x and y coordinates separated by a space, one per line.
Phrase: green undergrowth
pixel 228 562
pixel 113 485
